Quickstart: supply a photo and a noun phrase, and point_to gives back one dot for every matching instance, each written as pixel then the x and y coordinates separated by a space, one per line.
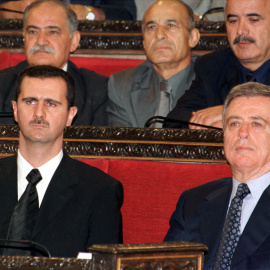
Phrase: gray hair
pixel 190 22
pixel 250 89
pixel 72 21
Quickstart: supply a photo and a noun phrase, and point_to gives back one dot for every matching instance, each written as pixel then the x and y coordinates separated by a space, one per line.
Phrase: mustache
pixel 42 48
pixel 39 121
pixel 243 38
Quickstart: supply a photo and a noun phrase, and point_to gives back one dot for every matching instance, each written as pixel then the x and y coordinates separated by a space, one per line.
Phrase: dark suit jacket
pixel 91 94
pixel 216 74
pixel 113 9
pixel 81 207
pixel 200 215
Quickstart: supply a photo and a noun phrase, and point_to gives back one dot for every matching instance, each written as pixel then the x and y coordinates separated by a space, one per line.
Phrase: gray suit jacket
pixel 133 97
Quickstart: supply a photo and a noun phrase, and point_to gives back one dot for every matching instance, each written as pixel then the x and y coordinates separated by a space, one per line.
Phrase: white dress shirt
pixel 257 187
pixel 46 170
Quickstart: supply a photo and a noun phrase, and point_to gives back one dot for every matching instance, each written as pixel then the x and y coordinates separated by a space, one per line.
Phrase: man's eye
pixel 51 104
pixel 232 21
pixel 32 32
pixel 254 19
pixel 30 101
pixel 256 124
pixel 151 27
pixel 171 25
pixel 54 32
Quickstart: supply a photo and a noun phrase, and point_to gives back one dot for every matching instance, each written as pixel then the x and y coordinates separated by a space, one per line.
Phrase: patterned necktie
pixel 24 215
pixel 164 103
pixel 250 77
pixel 231 230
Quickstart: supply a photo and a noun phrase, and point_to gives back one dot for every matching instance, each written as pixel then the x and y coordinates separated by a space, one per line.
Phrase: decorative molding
pixel 170 255
pixel 17 262
pixel 122 37
pixel 131 143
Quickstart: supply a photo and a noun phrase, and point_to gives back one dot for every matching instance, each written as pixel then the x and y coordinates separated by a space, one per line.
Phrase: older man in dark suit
pixel 50 35
pixel 67 205
pixel 231 215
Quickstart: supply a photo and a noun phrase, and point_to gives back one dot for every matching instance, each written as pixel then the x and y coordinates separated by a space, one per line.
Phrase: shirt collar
pixel 256 186
pixel 260 73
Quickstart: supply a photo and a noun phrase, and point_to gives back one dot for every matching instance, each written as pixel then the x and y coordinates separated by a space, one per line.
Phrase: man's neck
pixel 167 70
pixel 38 154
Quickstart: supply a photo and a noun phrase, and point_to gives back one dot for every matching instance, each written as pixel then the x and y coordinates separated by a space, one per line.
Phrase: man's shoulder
pixel 89 174
pixel 204 190
pixel 14 69
pixel 224 56
pixel 134 73
pixel 85 73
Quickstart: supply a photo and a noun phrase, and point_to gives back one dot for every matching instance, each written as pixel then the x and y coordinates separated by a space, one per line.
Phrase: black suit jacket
pixel 200 215
pixel 216 74
pixel 91 94
pixel 81 207
pixel 113 9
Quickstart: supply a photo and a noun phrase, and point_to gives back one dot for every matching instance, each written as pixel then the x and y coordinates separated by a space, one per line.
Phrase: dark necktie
pixel 250 77
pixel 231 230
pixel 24 214
pixel 164 103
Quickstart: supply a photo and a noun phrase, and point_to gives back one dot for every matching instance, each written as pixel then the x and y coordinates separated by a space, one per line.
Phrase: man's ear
pixel 71 114
pixel 75 40
pixel 194 37
pixel 14 106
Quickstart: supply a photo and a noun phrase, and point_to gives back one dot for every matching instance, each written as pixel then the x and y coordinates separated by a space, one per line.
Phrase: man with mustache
pixel 247 59
pixel 50 35
pixel 73 205
pixel 231 215
pixel 153 87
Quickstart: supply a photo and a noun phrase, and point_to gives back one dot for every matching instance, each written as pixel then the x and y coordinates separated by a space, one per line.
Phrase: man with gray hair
pixel 50 35
pixel 231 215
pixel 153 87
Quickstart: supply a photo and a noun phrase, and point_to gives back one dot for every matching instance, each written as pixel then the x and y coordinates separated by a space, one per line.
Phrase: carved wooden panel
pixel 132 143
pixel 114 36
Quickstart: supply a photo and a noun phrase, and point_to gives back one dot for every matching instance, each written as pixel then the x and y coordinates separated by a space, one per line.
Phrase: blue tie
pixel 231 231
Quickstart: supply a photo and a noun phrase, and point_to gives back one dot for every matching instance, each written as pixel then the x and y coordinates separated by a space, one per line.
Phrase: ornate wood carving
pixel 131 143
pixel 114 36
pixel 28 263
pixel 170 255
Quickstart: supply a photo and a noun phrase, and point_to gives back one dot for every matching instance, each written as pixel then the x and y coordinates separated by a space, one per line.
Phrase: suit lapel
pixel 212 215
pixel 256 230
pixel 58 194
pixel 145 97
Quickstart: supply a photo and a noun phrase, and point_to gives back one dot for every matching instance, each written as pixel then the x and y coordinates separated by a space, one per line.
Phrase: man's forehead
pixel 165 10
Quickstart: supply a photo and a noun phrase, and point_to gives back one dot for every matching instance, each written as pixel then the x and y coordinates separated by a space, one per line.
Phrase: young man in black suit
pixel 79 205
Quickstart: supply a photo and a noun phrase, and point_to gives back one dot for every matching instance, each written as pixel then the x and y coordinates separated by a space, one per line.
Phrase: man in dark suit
pixel 247 59
pixel 50 35
pixel 136 94
pixel 79 205
pixel 238 237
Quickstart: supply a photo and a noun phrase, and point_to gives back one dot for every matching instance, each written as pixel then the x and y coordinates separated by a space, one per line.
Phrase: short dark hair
pixel 72 21
pixel 43 72
pixel 249 89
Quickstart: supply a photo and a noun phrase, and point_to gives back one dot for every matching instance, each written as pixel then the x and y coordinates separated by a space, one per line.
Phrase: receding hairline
pixel 156 3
